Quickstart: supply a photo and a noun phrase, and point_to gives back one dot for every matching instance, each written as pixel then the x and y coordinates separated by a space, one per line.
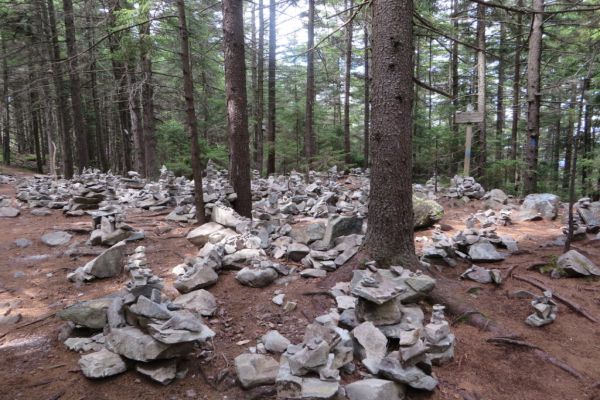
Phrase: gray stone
pixel 316 389
pixel 90 313
pixel 9 212
pixel 313 273
pixel 345 256
pixel 256 277
pixel 101 364
pixel 149 309
pixel 484 251
pixel 108 264
pixel 199 277
pixel 426 212
pixel 200 235
pixel 340 225
pixel 307 233
pixel 41 212
pixel 163 372
pixel 56 238
pixel 297 251
pixel 242 256
pixel 181 328
pixel 134 344
pixel 226 216
pixel 371 344
pixel 200 302
pixel 575 263
pixel 412 376
pixel 255 370
pixel 23 243
pixel 375 389
pixel 115 314
pixel 388 313
pixel 275 342
pixel 82 345
pixel 544 205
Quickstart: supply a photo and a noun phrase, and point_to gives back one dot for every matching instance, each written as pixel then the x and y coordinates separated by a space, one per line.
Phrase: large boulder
pixel 495 199
pixel 307 233
pixel 575 263
pixel 427 212
pixel 341 225
pixel 541 205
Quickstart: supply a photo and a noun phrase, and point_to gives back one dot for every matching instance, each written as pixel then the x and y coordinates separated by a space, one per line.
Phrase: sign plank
pixel 468 117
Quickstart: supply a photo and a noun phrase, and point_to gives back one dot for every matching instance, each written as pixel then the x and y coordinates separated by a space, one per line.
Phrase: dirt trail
pixel 35 365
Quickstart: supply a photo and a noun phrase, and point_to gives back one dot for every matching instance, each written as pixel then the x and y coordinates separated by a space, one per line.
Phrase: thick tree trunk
pixel 6 102
pixel 516 105
pixel 190 112
pixel 530 175
pixel 76 103
pixel 150 162
pixel 481 92
pixel 367 100
pixel 390 233
pixel 309 151
pixel 235 86
pixel 34 110
pixel 260 79
pixel 271 118
pixel 62 108
pixel 347 82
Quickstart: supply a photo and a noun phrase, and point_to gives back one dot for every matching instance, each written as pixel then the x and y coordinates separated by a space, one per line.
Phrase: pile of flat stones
pixel 110 228
pixel 377 324
pixel 464 187
pixel 545 309
pixel 489 218
pixel 470 244
pixel 140 328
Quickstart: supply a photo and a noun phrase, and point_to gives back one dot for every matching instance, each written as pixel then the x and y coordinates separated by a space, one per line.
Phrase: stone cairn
pixel 464 187
pixel 545 310
pixel 139 328
pixel 380 326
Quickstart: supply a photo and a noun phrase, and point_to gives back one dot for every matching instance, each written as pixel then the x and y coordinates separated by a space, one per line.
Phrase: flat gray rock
pixel 101 364
pixel 90 314
pixel 9 212
pixel 199 277
pixel 163 372
pixel 256 277
pixel 56 238
pixel 275 342
pixel 255 370
pixel 412 376
pixel 575 263
pixel 200 302
pixel 375 389
pixel 22 243
pixel 484 251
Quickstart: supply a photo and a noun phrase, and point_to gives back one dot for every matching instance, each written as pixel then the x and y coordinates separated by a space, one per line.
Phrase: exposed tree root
pixel 572 305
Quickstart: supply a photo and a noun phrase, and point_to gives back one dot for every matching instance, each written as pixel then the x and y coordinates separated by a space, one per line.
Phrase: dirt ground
pixel 35 365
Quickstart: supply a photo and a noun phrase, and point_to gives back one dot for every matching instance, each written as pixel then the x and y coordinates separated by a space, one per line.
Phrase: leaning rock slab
pixel 340 225
pixel 255 369
pixel 375 389
pixel 484 251
pixel 163 372
pixel 90 314
pixel 200 235
pixel 101 364
pixel 200 302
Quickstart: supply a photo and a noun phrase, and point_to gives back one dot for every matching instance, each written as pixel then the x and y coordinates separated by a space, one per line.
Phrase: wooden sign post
pixel 468 117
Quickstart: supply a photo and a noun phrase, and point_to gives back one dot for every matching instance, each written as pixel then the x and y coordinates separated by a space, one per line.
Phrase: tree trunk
pixel 260 79
pixel 34 110
pixel 367 100
pixel 390 233
pixel 150 162
pixel 76 103
pixel 347 82
pixel 482 139
pixel 235 86
pixel 587 148
pixel 190 112
pixel 62 108
pixel 271 89
pixel 569 136
pixel 455 87
pixel 135 113
pixel 530 175
pixel 556 150
pixel 6 102
pixel 500 95
pixel 309 151
pixel 516 105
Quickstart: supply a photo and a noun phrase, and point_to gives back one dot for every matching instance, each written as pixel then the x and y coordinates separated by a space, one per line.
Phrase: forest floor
pixel 35 365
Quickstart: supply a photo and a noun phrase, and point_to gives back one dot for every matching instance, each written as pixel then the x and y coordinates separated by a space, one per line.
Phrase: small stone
pixel 163 372
pixel 313 273
pixel 101 364
pixel 254 370
pixel 278 299
pixel 275 342
pixel 56 238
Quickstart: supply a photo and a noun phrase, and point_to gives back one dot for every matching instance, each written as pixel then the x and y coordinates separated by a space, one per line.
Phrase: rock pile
pixel 139 326
pixel 464 187
pixel 110 228
pixel 545 311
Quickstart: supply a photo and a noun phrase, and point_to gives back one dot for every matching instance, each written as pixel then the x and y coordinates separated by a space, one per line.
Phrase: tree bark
pixel 516 106
pixel 347 82
pixel 75 85
pixel 235 87
pixel 271 117
pixel 456 151
pixel 150 162
pixel 309 150
pixel 62 109
pixel 260 79
pixel 530 175
pixel 500 95
pixel 34 109
pixel 135 113
pixel 191 122
pixel 481 92
pixel 6 102
pixel 367 100
pixel 390 233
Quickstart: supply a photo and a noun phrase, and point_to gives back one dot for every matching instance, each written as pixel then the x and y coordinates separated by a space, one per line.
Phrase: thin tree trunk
pixel 260 79
pixel 530 176
pixel 6 102
pixel 62 109
pixel 149 132
pixel 390 233
pixel 556 150
pixel 76 103
pixel 271 118
pixel 455 88
pixel 309 150
pixel 481 92
pixel 191 122
pixel 587 147
pixel 253 83
pixel 367 100
pixel 569 136
pixel 235 86
pixel 500 95
pixel 34 108
pixel 347 83
pixel 135 113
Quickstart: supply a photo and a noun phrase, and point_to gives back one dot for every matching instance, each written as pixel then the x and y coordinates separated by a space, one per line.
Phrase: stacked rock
pixel 545 310
pixel 465 187
pixel 140 326
pixel 110 228
pixel 589 213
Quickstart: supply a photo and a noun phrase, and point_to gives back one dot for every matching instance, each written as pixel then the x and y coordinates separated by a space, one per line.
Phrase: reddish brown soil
pixel 35 365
